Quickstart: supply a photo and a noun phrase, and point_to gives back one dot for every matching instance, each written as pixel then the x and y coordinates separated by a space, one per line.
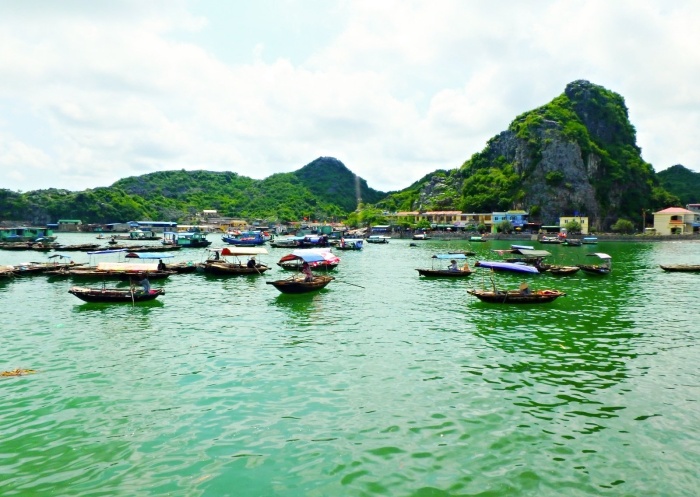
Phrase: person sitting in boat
pixel 161 265
pixel 145 284
pixel 306 269
pixel 453 266
pixel 251 263
pixel 466 266
pixel 525 289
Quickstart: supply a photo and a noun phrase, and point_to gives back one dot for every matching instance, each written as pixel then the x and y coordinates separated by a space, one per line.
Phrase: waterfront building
pixel 582 220
pixel 674 221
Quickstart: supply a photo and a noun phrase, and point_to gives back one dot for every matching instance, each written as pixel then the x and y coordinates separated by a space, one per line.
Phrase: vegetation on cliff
pixel 576 154
pixel 323 189
pixel 682 182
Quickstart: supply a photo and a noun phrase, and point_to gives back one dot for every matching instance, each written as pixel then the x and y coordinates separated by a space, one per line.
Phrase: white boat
pixel 378 239
pixel 349 244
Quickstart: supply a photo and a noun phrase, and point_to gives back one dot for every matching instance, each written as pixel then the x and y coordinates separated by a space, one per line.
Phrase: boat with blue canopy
pixel 320 258
pixel 513 267
pixel 300 283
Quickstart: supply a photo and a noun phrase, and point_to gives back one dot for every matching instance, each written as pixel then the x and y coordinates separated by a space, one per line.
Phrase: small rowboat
pixel 687 268
pixel 516 296
pixel 113 295
pixel 605 267
pixel 299 285
pixel 442 272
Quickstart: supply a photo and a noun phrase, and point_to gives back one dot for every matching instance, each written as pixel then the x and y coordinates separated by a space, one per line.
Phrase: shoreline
pixel 602 237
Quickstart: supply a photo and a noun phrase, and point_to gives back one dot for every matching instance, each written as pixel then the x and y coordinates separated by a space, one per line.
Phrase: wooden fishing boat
pixel 83 247
pixel 112 272
pixel 605 266
pixel 244 238
pixel 36 246
pixel 300 285
pixel 687 268
pixel 32 268
pixel 559 270
pixel 286 242
pixel 550 239
pixel 516 296
pixel 185 267
pixel 228 262
pixel 349 244
pixel 442 272
pixel 572 242
pixel 378 239
pixel 306 281
pixel 114 295
pixel 186 239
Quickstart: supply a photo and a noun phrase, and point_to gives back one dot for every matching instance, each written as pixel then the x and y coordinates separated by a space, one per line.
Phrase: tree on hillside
pixel 623 226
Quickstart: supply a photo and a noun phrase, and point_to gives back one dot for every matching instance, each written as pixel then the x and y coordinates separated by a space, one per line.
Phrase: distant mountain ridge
pixel 576 155
pixel 323 189
pixel 682 182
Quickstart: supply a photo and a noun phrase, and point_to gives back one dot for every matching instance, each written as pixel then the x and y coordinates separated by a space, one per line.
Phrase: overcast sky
pixel 91 92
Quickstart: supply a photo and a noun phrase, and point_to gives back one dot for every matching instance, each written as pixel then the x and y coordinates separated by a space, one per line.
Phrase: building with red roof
pixel 675 221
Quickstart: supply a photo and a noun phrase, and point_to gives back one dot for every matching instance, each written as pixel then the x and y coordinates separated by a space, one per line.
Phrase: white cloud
pixel 96 92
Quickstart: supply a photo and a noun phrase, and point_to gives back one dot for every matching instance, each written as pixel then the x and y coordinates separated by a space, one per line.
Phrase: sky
pixel 92 92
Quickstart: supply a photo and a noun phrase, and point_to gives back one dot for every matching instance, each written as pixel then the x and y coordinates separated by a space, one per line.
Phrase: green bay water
pixel 404 387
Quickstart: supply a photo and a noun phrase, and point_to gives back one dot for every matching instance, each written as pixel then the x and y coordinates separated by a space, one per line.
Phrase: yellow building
pixel 583 221
pixel 674 221
pixel 441 219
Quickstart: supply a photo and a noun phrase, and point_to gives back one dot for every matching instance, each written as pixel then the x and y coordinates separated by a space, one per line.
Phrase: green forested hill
pixel 682 182
pixel 576 154
pixel 323 189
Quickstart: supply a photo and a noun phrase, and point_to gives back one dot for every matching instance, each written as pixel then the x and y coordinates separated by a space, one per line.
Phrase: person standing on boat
pixel 306 269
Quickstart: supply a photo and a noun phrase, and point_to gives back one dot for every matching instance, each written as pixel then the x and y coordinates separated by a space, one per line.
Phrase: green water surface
pixel 384 383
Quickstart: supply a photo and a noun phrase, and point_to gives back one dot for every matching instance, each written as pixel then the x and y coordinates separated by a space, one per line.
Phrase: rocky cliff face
pixel 556 177
pixel 577 154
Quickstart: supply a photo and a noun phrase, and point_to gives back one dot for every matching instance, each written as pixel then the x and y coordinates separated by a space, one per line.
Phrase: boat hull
pixel 443 273
pixel 516 297
pixel 110 275
pixel 225 269
pixel 686 268
pixel 301 286
pixel 594 269
pixel 114 295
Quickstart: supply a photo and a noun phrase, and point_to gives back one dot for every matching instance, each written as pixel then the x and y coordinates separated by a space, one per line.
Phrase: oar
pixel 131 291
pixel 351 284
